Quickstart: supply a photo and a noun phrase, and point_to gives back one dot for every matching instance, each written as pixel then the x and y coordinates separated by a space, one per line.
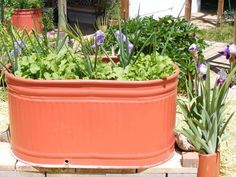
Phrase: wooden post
pixel 188 9
pixel 235 27
pixel 124 9
pixel 220 11
pixel 62 14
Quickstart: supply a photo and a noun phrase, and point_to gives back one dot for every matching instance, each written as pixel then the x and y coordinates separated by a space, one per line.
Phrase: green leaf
pixel 34 68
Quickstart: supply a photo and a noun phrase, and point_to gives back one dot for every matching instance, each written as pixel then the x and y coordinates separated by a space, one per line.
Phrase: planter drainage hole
pixel 66 162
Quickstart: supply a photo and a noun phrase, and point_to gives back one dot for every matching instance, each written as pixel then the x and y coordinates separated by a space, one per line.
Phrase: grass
pixel 228 148
pixel 223 33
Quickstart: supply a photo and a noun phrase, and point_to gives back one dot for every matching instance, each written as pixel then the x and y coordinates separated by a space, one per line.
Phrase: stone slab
pixel 182 175
pixel 136 175
pixel 105 171
pixel 21 166
pixel 29 174
pixel 7 173
pixel 107 175
pixel 20 174
pixel 171 166
pixel 7 161
pixel 190 159
pixel 73 175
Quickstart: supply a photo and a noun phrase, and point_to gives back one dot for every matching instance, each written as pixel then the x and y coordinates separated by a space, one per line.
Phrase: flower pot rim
pixel 93 81
pixel 112 56
pixel 19 11
pixel 208 155
pixel 29 9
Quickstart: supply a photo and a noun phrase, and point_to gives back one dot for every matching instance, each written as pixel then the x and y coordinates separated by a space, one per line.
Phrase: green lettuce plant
pixel 205 109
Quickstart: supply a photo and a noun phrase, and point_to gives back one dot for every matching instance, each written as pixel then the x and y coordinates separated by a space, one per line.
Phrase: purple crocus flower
pixel 232 49
pixel 51 33
pixel 226 52
pixel 229 52
pixel 193 48
pixel 119 35
pixel 222 77
pixel 202 68
pixel 99 38
pixel 130 47
pixel 18 46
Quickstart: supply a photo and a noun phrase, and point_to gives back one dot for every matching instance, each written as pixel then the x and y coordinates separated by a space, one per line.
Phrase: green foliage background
pixel 183 34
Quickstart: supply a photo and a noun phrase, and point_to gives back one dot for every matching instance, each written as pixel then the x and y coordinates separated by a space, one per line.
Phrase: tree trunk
pixel 188 9
pixel 62 15
pixel 220 11
pixel 124 9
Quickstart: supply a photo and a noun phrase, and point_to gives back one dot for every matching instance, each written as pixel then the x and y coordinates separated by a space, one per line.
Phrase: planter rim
pixel 26 10
pixel 208 155
pixel 92 81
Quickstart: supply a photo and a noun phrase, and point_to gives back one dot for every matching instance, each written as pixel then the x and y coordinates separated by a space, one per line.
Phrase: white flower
pixel 202 68
pixel 232 49
pixel 222 74
pixel 193 48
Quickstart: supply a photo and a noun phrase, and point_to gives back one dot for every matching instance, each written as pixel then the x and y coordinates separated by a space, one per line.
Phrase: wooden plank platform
pixel 9 167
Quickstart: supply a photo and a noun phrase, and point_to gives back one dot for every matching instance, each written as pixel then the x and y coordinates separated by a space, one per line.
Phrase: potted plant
pixel 70 108
pixel 205 115
pixel 25 14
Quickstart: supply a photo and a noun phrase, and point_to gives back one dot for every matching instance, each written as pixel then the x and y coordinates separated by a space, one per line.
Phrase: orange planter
pixel 92 123
pixel 27 19
pixel 209 165
pixel 105 59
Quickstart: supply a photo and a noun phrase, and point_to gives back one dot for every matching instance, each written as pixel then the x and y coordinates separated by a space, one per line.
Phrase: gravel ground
pixel 3 116
pixel 228 148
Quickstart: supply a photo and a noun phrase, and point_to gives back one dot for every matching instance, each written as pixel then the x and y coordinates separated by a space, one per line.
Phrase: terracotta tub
pixel 28 19
pixel 92 123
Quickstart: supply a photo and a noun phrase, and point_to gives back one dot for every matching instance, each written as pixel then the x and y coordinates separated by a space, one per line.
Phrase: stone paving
pixel 204 20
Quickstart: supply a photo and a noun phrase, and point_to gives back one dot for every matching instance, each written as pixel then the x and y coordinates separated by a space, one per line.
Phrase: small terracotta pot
pixel 209 165
pixel 27 19
pixel 105 59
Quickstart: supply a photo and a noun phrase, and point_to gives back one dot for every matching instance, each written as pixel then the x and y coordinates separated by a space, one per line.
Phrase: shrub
pixel 24 4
